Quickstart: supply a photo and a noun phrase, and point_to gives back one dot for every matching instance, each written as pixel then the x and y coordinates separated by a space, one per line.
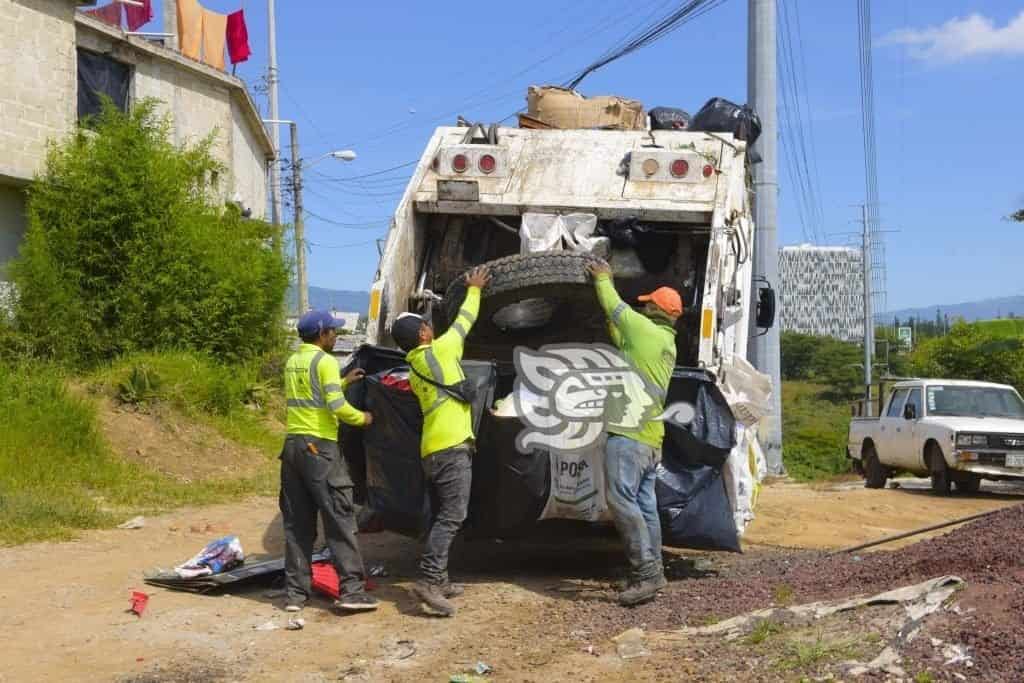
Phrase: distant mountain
pixel 987 309
pixel 342 300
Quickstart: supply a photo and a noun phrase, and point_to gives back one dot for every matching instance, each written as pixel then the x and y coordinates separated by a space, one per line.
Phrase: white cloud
pixel 960 39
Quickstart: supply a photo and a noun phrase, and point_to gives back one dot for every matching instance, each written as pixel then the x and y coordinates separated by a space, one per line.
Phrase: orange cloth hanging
pixel 215 30
pixel 190 28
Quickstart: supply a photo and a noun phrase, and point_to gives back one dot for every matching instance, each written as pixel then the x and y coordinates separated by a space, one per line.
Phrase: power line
pixel 369 225
pixel 342 246
pixel 348 179
pixel 654 32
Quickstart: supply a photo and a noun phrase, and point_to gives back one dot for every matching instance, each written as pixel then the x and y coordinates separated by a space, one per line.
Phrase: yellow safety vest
pixel 447 421
pixel 314 391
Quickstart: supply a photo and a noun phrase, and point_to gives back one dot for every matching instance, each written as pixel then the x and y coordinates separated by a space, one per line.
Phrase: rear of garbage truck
pixel 665 208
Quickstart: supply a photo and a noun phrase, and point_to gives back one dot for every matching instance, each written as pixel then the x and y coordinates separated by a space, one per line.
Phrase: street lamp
pixel 300 227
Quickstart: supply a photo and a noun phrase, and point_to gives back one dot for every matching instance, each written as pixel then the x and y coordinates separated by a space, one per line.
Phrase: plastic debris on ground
pixel 325 580
pixel 218 556
pixel 253 568
pixel 296 624
pixel 133 523
pixel 266 626
pixel 139 600
pixel 483 668
pixel 630 644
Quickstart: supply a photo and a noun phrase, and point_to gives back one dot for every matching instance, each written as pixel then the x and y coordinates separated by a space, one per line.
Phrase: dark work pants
pixel 449 475
pixel 312 483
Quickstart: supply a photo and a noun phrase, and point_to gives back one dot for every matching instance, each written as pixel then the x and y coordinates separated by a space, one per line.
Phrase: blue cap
pixel 315 322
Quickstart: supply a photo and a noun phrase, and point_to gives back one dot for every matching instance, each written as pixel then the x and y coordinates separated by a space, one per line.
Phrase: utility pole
pixel 275 134
pixel 761 94
pixel 869 327
pixel 300 226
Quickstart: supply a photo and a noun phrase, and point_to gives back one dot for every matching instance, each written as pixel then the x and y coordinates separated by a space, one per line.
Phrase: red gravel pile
pixel 988 553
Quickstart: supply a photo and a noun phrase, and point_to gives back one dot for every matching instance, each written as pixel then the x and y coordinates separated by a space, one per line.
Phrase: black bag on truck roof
pixel 719 115
pixel 669 118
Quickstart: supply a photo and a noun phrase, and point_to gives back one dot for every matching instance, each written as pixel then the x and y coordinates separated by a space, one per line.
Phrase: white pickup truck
pixel 956 431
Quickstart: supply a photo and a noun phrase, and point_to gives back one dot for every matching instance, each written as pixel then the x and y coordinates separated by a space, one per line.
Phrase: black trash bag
pixel 510 489
pixel 389 450
pixel 655 249
pixel 694 507
pixel 720 115
pixel 710 437
pixel 669 118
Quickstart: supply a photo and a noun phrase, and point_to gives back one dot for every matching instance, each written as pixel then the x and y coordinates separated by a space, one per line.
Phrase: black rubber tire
pixel 874 474
pixel 969 484
pixel 560 278
pixel 941 480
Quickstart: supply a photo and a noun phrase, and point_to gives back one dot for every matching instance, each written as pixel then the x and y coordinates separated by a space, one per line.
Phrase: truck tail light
pixel 487 163
pixel 680 168
pixel 460 163
pixel 650 166
pixel 708 170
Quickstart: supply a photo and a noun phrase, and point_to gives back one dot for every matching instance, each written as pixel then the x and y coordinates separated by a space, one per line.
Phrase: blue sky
pixel 356 75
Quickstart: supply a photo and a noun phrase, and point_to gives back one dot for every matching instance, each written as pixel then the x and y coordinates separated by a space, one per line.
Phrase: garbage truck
pixel 664 208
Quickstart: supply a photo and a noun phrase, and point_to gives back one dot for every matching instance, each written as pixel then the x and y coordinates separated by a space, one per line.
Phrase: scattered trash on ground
pixel 296 624
pixel 397 650
pixel 266 626
pixel 218 556
pixel 133 523
pixel 630 644
pixel 483 668
pixel 378 569
pixel 139 600
pixel 957 654
pixel 466 678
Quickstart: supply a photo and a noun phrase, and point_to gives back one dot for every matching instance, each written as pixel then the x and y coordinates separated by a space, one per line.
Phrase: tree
pixel 1017 216
pixel 129 247
pixel 971 352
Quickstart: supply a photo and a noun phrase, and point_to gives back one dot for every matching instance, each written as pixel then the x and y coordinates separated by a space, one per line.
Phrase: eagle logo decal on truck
pixel 570 394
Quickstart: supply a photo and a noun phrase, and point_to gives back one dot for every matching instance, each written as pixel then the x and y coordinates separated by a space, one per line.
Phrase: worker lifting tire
pixel 941 479
pixel 534 299
pixel 875 474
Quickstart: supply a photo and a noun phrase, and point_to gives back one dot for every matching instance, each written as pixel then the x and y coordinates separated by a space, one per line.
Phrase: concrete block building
pixel 44 46
pixel 822 291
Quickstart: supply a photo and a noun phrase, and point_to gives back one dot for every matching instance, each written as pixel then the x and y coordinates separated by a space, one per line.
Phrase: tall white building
pixel 822 291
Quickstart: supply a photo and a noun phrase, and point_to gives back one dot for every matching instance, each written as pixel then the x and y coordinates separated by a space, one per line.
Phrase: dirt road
pixel 64 605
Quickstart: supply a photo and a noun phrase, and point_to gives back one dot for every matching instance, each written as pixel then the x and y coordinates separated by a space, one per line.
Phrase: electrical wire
pixel 369 225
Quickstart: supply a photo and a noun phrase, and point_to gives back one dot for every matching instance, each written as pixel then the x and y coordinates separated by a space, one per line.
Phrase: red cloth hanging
pixel 137 17
pixel 238 37
pixel 110 14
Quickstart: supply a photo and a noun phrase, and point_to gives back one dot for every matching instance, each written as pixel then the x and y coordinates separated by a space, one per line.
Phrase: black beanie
pixel 406 331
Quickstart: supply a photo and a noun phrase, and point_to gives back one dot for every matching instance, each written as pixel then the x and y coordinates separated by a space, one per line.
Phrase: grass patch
pixel 765 629
pixel 814 431
pixel 236 400
pixel 782 594
pixel 808 654
pixel 924 677
pixel 57 475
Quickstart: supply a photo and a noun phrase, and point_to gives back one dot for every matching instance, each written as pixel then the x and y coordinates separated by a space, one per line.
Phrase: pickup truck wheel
pixel 874 474
pixel 970 484
pixel 941 479
pixel 534 299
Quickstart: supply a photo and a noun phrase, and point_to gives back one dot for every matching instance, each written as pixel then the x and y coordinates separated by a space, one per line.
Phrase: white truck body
pixel 598 172
pixel 957 431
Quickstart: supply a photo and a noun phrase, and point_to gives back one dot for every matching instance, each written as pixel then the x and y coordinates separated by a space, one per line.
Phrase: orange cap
pixel 665 298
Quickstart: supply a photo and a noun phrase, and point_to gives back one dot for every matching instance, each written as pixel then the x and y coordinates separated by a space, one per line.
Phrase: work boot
pixel 434 601
pixel 642 591
pixel 356 602
pixel 452 590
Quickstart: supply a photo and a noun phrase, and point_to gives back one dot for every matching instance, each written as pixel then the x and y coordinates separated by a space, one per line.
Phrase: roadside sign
pixel 906 337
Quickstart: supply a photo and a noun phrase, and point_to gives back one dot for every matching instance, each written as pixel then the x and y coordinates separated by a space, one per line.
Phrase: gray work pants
pixel 311 483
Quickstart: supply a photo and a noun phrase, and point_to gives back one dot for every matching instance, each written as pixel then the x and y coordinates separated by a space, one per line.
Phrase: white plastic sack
pixel 555 232
pixel 577 486
pixel 747 390
pixel 740 481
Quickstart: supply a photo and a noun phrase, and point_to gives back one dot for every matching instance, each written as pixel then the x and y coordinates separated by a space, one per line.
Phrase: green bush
pixel 825 360
pixel 972 351
pixel 128 249
pixel 814 429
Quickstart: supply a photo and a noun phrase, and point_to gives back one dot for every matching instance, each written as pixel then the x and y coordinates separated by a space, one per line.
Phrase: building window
pixel 99 75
